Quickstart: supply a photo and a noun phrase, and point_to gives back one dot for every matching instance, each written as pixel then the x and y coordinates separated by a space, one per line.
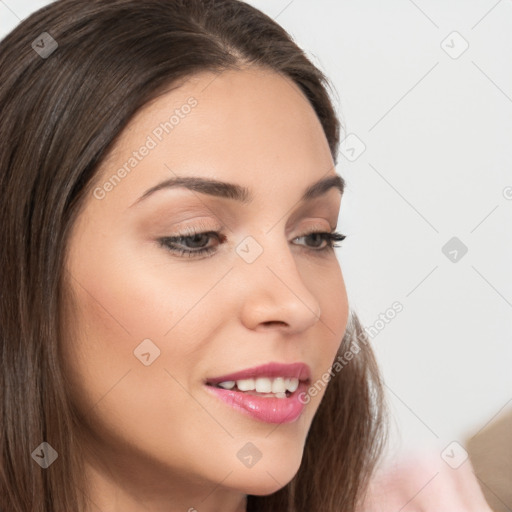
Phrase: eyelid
pixel 211 224
pixel 319 227
pixel 197 227
pixel 201 227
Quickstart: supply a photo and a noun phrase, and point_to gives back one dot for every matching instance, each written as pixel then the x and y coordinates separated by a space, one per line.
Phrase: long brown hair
pixel 72 75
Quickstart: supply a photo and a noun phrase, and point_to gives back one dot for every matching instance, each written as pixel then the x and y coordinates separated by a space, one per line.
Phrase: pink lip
pixel 267 409
pixel 299 371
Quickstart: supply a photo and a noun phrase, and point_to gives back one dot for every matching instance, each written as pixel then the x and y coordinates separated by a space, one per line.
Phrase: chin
pixel 266 478
pixel 265 488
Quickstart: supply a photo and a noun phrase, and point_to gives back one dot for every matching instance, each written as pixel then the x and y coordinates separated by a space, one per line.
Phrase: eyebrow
pixel 238 192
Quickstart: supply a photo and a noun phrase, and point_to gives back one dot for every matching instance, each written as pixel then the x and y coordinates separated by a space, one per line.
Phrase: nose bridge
pixel 274 289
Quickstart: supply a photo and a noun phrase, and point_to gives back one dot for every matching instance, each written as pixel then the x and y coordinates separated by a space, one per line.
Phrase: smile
pixel 269 393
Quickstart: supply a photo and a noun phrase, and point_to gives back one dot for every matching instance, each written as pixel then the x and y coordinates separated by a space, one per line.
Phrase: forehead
pixel 253 126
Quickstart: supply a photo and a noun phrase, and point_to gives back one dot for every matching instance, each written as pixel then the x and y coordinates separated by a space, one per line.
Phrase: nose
pixel 274 292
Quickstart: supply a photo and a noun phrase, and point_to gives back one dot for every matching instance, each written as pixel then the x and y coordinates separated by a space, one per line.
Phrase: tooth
pixel 292 385
pixel 245 384
pixel 263 385
pixel 278 385
pixel 228 384
pixel 280 395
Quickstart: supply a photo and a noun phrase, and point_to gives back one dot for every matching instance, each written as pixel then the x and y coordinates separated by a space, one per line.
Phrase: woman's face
pixel 152 327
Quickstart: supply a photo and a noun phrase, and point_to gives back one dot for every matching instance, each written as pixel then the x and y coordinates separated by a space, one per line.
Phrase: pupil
pixel 197 238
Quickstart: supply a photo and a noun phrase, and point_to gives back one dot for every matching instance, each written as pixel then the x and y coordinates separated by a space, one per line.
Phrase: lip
pixel 299 371
pixel 265 409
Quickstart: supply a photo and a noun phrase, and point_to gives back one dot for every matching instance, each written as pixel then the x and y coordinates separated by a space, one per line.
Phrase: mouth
pixel 269 393
pixel 268 379
pixel 278 387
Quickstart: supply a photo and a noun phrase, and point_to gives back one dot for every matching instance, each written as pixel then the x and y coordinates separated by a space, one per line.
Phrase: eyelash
pixel 166 242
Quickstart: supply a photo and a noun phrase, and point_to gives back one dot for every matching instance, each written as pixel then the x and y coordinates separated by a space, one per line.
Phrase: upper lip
pixel 299 371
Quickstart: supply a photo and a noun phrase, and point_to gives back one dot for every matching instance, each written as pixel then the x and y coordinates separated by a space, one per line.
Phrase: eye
pixel 328 237
pixel 192 244
pixel 195 243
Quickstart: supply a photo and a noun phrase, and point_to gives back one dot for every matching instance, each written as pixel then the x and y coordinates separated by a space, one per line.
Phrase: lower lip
pixel 268 410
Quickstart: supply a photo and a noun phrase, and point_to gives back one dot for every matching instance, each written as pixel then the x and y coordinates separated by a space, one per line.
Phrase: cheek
pixel 118 306
pixel 122 302
pixel 133 296
pixel 330 291
pixel 328 286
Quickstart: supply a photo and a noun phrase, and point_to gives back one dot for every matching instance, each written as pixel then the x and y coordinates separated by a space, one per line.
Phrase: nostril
pixel 278 322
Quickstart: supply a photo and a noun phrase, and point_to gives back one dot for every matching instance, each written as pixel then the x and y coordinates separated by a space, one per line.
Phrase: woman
pixel 175 329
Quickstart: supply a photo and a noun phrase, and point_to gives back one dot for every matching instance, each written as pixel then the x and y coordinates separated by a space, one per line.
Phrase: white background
pixel 437 132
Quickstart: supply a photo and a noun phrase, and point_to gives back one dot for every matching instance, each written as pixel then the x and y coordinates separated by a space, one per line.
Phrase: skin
pixel 155 439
